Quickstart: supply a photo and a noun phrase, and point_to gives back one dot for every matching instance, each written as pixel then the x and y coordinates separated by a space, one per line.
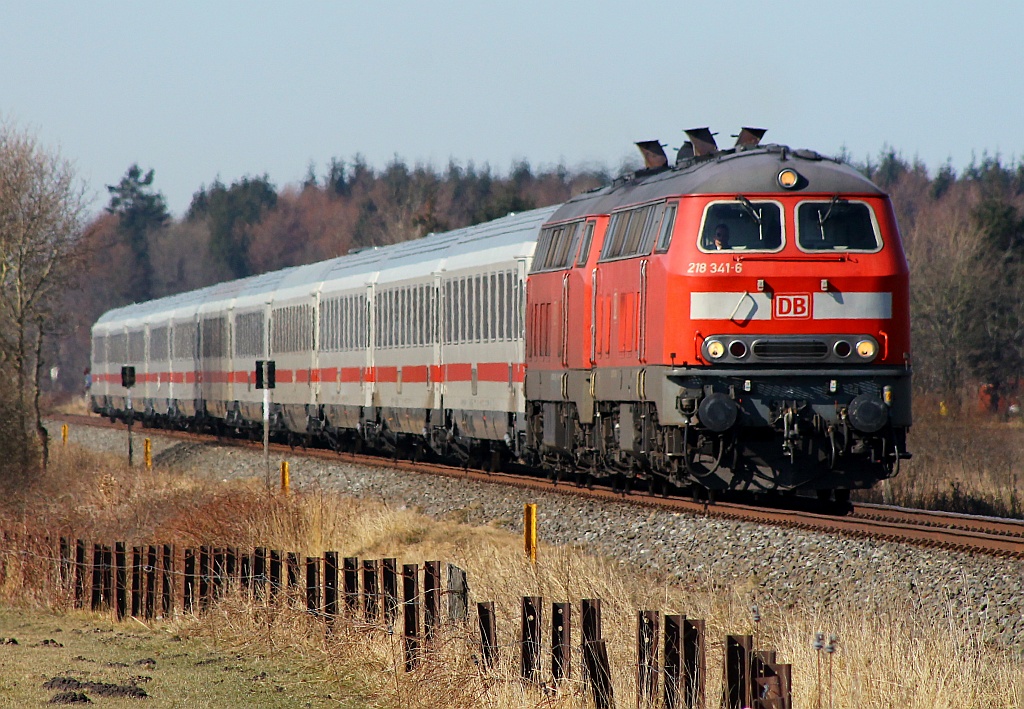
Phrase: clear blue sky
pixel 200 90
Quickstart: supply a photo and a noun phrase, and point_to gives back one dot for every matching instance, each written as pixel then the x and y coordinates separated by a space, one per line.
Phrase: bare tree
pixel 41 208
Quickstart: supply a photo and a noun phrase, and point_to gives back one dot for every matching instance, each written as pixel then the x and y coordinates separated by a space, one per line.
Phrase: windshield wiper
pixel 836 199
pixel 828 214
pixel 754 214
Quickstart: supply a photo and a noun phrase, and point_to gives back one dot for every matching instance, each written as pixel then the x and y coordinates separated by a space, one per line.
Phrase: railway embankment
pixel 813 572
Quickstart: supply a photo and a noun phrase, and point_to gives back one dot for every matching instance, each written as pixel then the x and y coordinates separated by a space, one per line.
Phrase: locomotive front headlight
pixel 788 178
pixel 866 349
pixel 715 349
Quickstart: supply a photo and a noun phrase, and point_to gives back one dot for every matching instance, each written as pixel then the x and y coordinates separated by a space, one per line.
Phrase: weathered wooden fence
pixel 160 580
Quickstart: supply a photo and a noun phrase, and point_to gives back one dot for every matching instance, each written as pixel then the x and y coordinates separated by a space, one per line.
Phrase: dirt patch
pixel 71 698
pixel 69 685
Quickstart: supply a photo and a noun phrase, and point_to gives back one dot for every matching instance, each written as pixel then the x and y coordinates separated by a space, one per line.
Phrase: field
pixel 897 658
pixel 963 462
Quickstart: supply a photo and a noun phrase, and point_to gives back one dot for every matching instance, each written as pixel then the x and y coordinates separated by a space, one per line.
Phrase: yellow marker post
pixel 147 453
pixel 64 434
pixel 530 531
pixel 285 477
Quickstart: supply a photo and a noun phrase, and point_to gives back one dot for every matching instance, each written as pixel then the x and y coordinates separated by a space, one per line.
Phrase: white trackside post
pixel 266 423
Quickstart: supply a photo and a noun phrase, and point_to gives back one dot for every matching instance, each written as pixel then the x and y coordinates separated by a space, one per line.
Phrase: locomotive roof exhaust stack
pixel 703 141
pixel 750 137
pixel 654 154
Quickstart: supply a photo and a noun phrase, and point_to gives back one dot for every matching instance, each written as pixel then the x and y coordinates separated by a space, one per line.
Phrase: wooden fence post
pixel 231 568
pixel 599 675
pixel 188 595
pixel 737 675
pixel 673 660
pixel 389 579
pixel 488 633
pixel 530 642
pixel 245 571
pixel 219 571
pixel 204 577
pixel 275 573
pixel 591 619
pixel 97 577
pixel 259 572
pixel 350 565
pixel 371 590
pixel 458 595
pixel 313 584
pixel 431 598
pixel 79 572
pixel 150 611
pixel 292 564
pixel 65 564
pixel 773 685
pixel 561 641
pixel 647 657
pixel 108 577
pixel 330 585
pixel 411 603
pixel 120 580
pixel 136 581
pixel 693 662
pixel 167 598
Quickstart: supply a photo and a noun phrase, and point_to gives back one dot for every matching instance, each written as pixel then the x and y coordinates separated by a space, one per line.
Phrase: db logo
pixel 791 306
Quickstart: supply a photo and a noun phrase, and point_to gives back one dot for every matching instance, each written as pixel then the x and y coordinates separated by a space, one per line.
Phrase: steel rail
pixel 946 530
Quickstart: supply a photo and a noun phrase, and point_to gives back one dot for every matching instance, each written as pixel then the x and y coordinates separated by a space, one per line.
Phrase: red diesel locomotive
pixel 739 320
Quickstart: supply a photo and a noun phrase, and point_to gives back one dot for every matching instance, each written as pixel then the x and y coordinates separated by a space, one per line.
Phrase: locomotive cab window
pixel 741 225
pixel 836 225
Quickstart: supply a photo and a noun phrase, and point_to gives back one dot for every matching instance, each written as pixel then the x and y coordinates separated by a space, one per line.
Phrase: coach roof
pixel 731 172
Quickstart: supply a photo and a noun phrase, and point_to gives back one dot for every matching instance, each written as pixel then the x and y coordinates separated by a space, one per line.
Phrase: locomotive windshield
pixel 742 225
pixel 836 225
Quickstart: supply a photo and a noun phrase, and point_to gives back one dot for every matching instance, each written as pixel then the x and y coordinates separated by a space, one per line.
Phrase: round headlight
pixel 788 178
pixel 738 349
pixel 866 349
pixel 715 349
pixel 842 349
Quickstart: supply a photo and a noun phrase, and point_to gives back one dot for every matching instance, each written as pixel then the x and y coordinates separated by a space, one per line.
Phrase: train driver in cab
pixel 722 237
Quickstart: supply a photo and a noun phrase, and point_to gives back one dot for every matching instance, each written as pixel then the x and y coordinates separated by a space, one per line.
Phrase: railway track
pixel 945 530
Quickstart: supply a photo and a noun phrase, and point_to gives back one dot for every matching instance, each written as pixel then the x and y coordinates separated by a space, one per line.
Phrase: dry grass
pixel 896 658
pixel 963 462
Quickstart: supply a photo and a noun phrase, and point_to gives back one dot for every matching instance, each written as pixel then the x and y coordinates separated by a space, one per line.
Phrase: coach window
pixel 746 225
pixel 478 310
pixel 465 311
pixel 836 225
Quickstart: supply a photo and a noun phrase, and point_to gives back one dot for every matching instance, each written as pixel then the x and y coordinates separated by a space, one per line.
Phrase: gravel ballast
pixel 797 568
